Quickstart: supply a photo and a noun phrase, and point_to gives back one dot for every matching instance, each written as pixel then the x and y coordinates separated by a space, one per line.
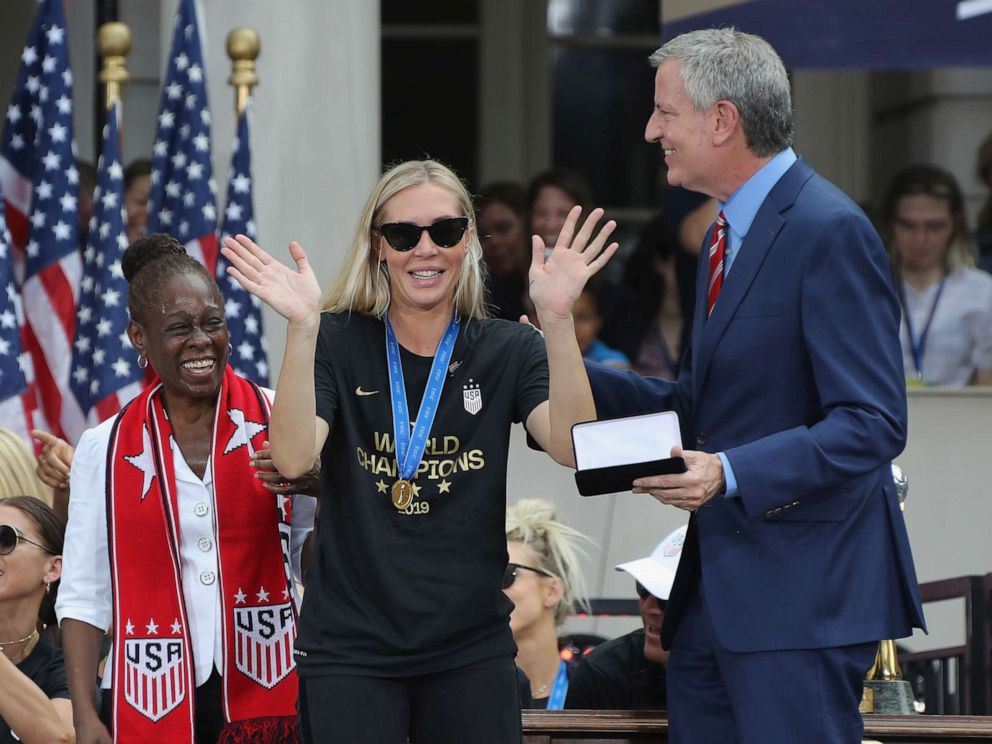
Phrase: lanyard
pixel 556 700
pixel 919 345
pixel 410 448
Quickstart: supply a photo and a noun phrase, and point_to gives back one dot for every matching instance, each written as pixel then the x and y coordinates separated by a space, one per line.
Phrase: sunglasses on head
pixel 403 236
pixel 9 537
pixel 510 574
pixel 643 593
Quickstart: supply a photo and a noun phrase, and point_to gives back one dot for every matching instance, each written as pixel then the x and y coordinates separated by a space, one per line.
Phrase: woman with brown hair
pixel 34 702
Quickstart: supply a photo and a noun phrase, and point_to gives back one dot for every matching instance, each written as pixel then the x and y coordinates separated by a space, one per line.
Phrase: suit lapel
pixel 751 255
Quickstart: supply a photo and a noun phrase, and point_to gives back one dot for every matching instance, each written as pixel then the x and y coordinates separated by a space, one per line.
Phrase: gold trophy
pixel 885 689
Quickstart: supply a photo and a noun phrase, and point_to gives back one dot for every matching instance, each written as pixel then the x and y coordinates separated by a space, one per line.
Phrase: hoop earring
pixel 142 361
pixel 230 350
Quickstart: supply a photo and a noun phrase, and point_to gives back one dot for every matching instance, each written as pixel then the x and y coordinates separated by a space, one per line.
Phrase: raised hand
pixel 294 294
pixel 557 281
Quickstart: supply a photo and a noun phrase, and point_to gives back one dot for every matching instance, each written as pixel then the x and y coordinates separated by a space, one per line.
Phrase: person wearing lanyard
pixel 946 330
pixel 545 582
pixel 404 630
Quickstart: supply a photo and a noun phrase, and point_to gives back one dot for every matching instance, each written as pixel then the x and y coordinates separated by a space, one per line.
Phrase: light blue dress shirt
pixel 739 211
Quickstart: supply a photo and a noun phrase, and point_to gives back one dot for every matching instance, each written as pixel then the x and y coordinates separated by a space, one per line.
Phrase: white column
pixel 315 127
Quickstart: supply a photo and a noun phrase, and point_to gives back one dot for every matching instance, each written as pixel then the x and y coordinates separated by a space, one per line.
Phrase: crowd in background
pixel 643 321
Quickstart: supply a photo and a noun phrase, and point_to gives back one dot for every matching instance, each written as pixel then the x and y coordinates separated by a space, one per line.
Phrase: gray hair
pixel 727 64
pixel 363 285
pixel 538 524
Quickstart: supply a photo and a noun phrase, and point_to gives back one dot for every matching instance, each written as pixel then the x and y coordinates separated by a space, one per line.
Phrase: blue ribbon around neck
pixel 410 448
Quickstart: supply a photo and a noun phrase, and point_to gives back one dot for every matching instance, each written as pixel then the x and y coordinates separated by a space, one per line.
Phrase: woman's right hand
pixel 55 459
pixel 294 294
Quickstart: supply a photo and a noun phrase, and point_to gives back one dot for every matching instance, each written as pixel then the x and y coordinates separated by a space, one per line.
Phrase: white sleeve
pixel 84 589
pixel 304 511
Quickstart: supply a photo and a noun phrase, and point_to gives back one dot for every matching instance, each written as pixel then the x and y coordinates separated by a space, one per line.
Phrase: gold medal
pixel 402 494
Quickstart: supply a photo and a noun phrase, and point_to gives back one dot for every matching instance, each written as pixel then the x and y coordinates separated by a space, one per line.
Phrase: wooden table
pixel 635 727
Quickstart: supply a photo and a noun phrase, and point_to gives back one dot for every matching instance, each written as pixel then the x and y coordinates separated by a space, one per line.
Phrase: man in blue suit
pixel 792 405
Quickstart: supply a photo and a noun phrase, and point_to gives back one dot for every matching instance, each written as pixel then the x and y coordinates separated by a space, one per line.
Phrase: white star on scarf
pixel 243 431
pixel 152 627
pixel 144 461
pixel 240 597
pixel 262 594
pixel 175 627
pixel 129 628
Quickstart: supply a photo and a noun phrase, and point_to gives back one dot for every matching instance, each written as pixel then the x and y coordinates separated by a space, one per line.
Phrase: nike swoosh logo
pixel 359 391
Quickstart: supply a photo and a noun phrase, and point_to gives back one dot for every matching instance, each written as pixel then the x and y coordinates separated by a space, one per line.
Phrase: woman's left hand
pixel 557 281
pixel 307 484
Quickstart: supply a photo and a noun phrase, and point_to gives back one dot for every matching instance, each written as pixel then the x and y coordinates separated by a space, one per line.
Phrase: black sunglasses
pixel 9 537
pixel 403 236
pixel 510 574
pixel 643 593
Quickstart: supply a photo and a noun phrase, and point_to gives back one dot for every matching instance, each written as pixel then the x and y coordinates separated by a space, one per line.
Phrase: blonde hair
pixel 17 470
pixel 538 524
pixel 362 285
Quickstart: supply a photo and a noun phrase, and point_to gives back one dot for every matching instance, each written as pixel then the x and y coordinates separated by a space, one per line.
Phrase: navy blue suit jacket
pixel 797 377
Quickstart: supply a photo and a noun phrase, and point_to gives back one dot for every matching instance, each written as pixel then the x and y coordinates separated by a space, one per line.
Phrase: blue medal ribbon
pixel 410 448
pixel 556 700
pixel 919 345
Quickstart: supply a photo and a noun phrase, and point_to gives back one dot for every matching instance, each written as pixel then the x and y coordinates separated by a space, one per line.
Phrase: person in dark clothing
pixel 628 673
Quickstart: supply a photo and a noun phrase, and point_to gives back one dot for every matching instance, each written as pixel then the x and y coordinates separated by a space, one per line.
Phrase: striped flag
pixel 183 198
pixel 105 374
pixel 16 404
pixel 242 309
pixel 39 182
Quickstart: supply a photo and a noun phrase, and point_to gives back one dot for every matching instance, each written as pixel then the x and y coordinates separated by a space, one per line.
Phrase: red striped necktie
pixel 717 250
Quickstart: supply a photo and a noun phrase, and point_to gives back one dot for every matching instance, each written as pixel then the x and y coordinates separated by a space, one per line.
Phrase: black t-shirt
pixel 617 676
pixel 43 666
pixel 401 593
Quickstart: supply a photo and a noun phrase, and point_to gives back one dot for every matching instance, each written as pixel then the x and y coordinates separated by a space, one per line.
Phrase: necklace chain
pixel 28 637
pixel 25 640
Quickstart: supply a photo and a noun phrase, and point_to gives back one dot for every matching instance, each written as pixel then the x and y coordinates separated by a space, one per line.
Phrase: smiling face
pixel 680 130
pixel 426 276
pixel 534 596
pixel 651 616
pixel 184 335
pixel 24 571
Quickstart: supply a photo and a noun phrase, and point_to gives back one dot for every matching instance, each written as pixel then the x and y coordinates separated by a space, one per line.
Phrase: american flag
pixel 39 181
pixel 242 309
pixel 105 373
pixel 15 409
pixel 183 199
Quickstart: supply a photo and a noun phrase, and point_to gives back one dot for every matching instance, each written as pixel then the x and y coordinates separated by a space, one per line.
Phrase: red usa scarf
pixel 154 678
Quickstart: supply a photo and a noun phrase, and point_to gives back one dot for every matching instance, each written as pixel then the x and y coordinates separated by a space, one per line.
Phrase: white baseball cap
pixel 657 572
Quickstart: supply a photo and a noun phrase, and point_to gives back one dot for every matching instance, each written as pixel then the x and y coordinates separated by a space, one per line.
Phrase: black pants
pixel 208 712
pixel 475 704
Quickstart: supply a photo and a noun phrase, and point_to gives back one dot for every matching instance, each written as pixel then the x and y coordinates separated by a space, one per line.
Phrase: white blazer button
pixel 205 544
pixel 201 509
pixel 208 577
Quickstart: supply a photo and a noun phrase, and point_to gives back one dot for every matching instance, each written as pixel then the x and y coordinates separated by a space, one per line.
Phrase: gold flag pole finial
pixel 113 42
pixel 243 46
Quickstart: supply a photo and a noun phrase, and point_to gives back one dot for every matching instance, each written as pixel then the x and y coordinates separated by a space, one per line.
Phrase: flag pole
pixel 243 46
pixel 113 44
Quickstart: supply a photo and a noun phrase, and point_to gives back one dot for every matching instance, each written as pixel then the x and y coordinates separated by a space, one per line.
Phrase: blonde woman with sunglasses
pixel 404 630
pixel 34 693
pixel 545 583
